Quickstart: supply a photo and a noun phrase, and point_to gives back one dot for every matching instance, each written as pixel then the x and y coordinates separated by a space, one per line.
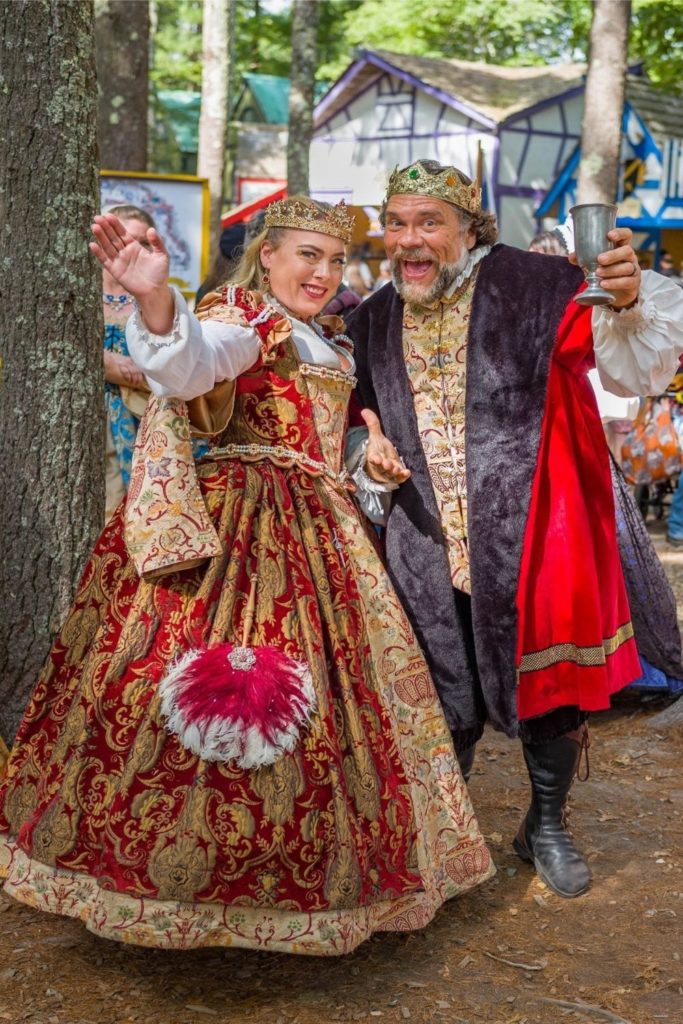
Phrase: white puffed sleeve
pixel 637 350
pixel 194 356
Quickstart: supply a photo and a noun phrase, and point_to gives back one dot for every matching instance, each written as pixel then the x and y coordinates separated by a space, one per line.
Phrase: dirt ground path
pixel 509 953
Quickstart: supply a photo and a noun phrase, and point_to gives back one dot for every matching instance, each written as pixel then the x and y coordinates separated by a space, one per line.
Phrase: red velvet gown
pixel 366 825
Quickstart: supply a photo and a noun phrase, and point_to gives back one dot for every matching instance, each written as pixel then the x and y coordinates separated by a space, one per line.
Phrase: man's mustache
pixel 418 255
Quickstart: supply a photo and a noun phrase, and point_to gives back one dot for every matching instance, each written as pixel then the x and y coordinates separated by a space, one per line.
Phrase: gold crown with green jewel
pixel 295 213
pixel 448 184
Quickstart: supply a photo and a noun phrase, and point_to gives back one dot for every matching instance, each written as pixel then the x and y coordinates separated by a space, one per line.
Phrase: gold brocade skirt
pixel 365 826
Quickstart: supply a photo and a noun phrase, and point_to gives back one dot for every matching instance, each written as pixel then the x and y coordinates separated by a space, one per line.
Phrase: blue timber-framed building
pixel 521 127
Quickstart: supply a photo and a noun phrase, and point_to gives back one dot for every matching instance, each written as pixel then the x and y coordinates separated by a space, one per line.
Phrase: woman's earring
pixel 265 277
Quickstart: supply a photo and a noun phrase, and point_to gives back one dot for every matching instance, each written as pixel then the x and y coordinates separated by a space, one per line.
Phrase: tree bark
pixel 122 48
pixel 604 102
pixel 213 121
pixel 301 95
pixel 52 411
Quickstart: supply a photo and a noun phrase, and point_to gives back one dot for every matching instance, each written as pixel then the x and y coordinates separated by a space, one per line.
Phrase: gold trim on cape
pixel 586 657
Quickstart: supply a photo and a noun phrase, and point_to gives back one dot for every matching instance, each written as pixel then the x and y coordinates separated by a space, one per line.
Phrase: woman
pixel 126 392
pixel 300 828
pixel 119 369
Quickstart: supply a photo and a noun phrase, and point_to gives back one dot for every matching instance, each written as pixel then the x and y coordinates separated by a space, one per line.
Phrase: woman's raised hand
pixel 141 271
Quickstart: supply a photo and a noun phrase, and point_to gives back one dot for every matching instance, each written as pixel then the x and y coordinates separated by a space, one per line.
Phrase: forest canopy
pixel 514 32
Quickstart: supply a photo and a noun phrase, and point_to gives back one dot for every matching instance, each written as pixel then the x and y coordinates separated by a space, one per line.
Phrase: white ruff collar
pixel 476 256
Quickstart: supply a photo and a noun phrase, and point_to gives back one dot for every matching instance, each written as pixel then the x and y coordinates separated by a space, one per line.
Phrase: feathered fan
pixel 238 703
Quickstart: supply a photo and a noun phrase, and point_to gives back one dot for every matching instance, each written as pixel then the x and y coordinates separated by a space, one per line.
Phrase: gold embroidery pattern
pixel 329 392
pixel 169 924
pixel 585 656
pixel 444 860
pixel 167 525
pixel 365 826
pixel 435 350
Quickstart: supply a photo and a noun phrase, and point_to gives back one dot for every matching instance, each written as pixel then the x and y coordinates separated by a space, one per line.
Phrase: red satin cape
pixel 575 640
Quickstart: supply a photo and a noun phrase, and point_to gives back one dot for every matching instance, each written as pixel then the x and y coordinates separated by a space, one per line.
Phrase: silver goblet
pixel 592 221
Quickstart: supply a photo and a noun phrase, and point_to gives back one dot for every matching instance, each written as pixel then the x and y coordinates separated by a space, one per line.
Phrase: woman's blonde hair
pixel 249 273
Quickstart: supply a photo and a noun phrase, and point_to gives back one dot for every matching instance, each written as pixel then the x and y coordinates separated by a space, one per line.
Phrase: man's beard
pixel 424 295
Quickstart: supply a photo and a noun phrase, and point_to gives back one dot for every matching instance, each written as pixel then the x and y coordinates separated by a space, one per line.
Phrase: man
pixel 502 545
pixel 668 269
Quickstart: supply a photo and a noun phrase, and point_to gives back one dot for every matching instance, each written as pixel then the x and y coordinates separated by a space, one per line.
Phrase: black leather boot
pixel 543 839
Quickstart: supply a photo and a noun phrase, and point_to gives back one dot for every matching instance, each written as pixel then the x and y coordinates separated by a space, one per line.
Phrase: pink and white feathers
pixel 241 704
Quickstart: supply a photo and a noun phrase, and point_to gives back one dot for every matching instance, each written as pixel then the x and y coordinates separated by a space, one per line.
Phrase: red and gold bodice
pixel 289 411
pixel 282 410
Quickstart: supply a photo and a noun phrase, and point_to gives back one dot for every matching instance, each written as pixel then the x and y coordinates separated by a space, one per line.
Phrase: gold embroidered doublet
pixel 435 351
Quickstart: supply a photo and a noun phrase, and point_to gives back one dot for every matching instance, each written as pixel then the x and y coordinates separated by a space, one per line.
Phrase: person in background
pixel 358 259
pixel 384 275
pixel 255 225
pixel 674 525
pixel 667 267
pixel 355 281
pixel 552 243
pixel 119 369
pixel 230 248
pixel 616 412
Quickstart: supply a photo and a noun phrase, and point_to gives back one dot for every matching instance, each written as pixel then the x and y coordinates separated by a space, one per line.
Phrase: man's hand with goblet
pixel 612 274
pixel 618 269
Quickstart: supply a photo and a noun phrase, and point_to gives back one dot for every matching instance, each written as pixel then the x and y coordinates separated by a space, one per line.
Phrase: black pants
pixel 531 730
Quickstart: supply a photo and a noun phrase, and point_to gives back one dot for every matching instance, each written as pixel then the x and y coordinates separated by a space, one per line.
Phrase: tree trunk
pixel 301 95
pixel 122 46
pixel 213 122
pixel 604 102
pixel 52 413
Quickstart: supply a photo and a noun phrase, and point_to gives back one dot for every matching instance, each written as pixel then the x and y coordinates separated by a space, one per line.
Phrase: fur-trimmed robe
pixel 519 301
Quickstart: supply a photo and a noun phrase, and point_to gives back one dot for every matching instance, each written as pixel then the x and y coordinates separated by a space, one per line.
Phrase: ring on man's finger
pixel 634 269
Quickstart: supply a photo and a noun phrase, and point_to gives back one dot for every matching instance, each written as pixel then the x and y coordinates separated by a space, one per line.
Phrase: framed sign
pixel 179 205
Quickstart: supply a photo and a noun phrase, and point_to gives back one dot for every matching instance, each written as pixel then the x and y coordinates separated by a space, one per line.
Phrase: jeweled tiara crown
pixel 447 184
pixel 294 213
